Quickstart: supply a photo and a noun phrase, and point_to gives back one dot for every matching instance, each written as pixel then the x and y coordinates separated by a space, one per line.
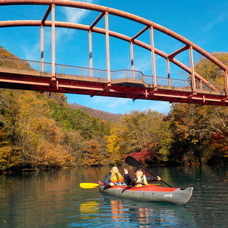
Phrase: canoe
pixel 150 193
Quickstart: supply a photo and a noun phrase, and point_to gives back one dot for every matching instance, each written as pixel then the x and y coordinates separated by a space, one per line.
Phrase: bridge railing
pixel 64 70
pixel 80 71
pixel 128 74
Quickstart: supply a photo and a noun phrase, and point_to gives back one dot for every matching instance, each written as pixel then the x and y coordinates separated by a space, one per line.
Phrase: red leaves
pixel 142 156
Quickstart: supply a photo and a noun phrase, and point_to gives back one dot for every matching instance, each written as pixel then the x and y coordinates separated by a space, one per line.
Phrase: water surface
pixel 54 199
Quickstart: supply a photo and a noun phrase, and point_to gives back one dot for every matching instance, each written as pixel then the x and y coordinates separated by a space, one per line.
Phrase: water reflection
pixel 88 208
pixel 127 213
pixel 117 209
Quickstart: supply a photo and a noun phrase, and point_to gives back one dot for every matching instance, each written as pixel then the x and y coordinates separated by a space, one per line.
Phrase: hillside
pixel 11 62
pixel 97 113
pixel 41 130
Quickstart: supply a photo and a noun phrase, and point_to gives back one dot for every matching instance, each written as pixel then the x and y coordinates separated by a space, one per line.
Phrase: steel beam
pixel 105 11
pixel 42 48
pixel 153 57
pixel 97 20
pixel 108 68
pixel 46 14
pixel 143 21
pixel 168 71
pixel 226 82
pixel 171 56
pixel 90 53
pixel 132 59
pixel 139 33
pixel 53 40
pixel 193 70
pixel 111 33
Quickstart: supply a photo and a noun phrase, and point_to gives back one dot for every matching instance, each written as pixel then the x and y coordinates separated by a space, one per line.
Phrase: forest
pixel 41 131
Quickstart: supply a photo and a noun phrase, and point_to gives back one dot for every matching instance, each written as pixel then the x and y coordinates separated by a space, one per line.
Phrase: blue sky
pixel 203 22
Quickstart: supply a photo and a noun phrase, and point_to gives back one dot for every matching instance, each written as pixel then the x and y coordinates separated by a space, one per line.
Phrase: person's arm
pixel 127 178
pixel 152 179
pixel 145 180
pixel 107 181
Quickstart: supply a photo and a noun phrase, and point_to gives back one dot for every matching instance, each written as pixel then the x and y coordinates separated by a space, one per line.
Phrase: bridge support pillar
pixel 193 70
pixel 226 83
pixel 42 47
pixel 168 72
pixel 42 37
pixel 90 54
pixel 132 60
pixel 153 56
pixel 53 37
pixel 107 47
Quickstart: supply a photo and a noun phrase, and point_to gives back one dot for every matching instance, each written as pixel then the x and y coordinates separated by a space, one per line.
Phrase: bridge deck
pixel 121 86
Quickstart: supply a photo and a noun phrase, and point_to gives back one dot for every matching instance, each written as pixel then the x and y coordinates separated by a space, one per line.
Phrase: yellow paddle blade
pixel 88 185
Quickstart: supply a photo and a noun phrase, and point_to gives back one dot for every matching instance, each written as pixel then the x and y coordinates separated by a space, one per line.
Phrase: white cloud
pixel 72 15
pixel 75 15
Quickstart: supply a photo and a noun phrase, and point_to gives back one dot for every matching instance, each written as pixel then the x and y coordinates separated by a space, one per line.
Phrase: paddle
pixel 133 162
pixel 88 185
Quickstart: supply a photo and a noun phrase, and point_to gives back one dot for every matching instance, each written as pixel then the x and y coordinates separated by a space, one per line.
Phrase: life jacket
pixel 116 177
pixel 139 180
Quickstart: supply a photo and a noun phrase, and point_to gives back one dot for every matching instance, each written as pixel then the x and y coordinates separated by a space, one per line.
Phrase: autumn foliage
pixel 39 130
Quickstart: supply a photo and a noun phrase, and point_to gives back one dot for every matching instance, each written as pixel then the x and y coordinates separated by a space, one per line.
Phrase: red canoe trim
pixel 148 188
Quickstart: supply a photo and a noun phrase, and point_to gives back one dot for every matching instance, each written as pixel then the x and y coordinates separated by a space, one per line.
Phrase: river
pixel 53 199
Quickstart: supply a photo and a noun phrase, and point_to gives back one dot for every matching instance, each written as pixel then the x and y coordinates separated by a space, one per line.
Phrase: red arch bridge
pixel 128 83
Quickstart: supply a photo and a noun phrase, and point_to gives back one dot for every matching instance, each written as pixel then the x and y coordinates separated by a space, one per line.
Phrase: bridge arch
pixel 147 26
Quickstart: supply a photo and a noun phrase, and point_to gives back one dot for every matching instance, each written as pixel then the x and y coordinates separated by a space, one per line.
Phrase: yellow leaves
pixel 202 111
pixel 93 153
pixel 35 133
pixel 8 157
pixel 5 151
pixel 54 155
pixel 114 142
pixel 211 71
pixel 139 131
pixel 47 128
pixel 30 106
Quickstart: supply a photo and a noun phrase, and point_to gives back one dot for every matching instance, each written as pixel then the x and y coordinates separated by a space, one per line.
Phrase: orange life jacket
pixel 116 177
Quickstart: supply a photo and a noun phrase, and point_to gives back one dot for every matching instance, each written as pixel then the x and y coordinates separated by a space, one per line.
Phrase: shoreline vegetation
pixel 40 131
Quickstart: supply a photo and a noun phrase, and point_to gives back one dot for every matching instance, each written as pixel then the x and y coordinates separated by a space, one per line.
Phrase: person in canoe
pixel 140 178
pixel 115 178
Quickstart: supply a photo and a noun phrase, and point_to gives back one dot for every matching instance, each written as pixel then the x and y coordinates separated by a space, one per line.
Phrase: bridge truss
pixel 131 83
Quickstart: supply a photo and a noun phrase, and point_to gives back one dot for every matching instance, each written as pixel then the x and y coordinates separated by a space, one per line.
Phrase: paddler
pixel 115 178
pixel 140 178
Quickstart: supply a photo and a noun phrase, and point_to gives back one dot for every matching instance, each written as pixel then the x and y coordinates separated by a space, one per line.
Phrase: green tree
pixel 32 133
pixel 138 131
pixel 73 119
pixel 199 133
